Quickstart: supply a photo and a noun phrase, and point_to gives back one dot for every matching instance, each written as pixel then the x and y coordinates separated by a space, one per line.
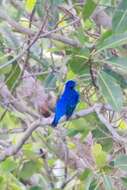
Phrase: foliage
pixel 42 45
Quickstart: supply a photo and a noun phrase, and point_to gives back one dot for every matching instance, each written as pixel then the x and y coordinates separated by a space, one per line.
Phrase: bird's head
pixel 70 84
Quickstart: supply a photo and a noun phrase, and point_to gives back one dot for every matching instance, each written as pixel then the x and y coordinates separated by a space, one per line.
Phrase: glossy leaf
pixel 88 180
pixel 104 36
pixel 113 41
pixel 121 162
pixel 119 77
pixel 88 8
pixel 107 182
pixel 118 63
pixel 110 90
pixel 78 65
pixel 74 62
pixel 119 20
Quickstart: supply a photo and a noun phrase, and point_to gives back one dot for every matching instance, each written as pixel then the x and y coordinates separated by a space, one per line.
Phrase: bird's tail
pixel 55 122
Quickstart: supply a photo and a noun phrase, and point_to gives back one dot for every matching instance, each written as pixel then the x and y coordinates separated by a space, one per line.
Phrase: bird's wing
pixel 73 98
pixel 72 103
pixel 60 111
pixel 60 107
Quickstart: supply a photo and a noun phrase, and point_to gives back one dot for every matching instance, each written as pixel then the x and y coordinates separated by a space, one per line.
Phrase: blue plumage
pixel 66 103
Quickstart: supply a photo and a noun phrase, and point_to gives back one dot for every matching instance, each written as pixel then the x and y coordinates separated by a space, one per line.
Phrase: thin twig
pixel 47 121
pixel 48 170
pixel 68 180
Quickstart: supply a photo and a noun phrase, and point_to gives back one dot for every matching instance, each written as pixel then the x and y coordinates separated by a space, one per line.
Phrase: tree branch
pixel 29 32
pixel 39 122
pixel 109 126
pixel 47 121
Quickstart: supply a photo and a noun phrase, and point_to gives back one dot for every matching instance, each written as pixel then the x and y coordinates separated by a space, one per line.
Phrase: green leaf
pixel 92 120
pixel 10 37
pixel 29 151
pixel 44 62
pixel 118 63
pixel 29 4
pixel 1 179
pixel 124 181
pixel 40 7
pixel 78 65
pixel 8 165
pixel 107 169
pixel 112 42
pixel 119 21
pixel 110 90
pixel 2 182
pixel 107 2
pixel 11 61
pixel 94 185
pixel 56 2
pixel 121 162
pixel 88 8
pixel 80 52
pixel 99 155
pixel 50 81
pixel 122 125
pixel 102 138
pixel 79 33
pixel 104 36
pixel 36 188
pixel 87 172
pixel 7 69
pixel 78 126
pixel 51 162
pixel 88 182
pixel 29 168
pixel 14 186
pixel 72 132
pixel 107 182
pixel 9 120
pixel 13 75
pixel 119 77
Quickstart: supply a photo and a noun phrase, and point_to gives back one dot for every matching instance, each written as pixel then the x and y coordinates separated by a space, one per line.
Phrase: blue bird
pixel 66 103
